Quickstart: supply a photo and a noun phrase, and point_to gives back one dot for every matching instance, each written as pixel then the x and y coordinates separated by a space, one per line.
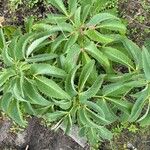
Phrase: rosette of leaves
pixel 65 69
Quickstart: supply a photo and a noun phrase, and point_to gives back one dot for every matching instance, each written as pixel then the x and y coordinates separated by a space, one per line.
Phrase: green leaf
pixel 72 4
pixel 5 101
pixel 2 39
pixel 106 109
pixel 6 58
pixel 33 96
pixel 114 26
pixel 134 51
pixel 95 108
pixel 50 88
pixel 98 37
pixel 92 90
pixel 72 58
pixel 99 18
pixel 62 27
pixel 85 73
pixel 71 41
pixel 15 113
pixel 117 56
pixel 47 69
pixel 68 122
pixel 28 24
pixel 69 83
pixel 5 76
pixel 35 44
pixel 138 105
pixel 85 13
pixel 41 58
pixel 146 63
pixel 51 117
pixel 98 55
pixel 59 5
pixel 77 17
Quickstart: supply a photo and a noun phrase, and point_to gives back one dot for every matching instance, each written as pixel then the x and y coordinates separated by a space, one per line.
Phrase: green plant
pixel 65 70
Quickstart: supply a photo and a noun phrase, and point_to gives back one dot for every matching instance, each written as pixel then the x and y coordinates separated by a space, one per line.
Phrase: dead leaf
pixel 1 21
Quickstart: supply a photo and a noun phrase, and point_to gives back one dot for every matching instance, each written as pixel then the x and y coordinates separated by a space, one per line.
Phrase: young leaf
pixel 85 73
pixel 85 13
pixel 50 88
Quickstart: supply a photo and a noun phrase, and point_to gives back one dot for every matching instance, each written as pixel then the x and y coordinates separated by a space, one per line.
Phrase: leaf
pixel 101 17
pixel 14 112
pixel 5 76
pixel 5 101
pixel 104 133
pixel 50 88
pixel 28 24
pixel 95 108
pixel 92 90
pixel 47 69
pixel 72 58
pixel 62 27
pixel 64 104
pixel 77 17
pixel 98 55
pixel 51 117
pixel 85 13
pixel 56 43
pixel 59 5
pixel 41 57
pixel 85 73
pixel 123 105
pixel 35 44
pixel 97 118
pixel 134 51
pixel 72 4
pixel 107 110
pixel 117 56
pixel 71 41
pixel 33 96
pixel 98 37
pixel 138 105
pixel 68 121
pixel 69 83
pixel 114 26
pixel 2 39
pixel 146 63
pixel 5 56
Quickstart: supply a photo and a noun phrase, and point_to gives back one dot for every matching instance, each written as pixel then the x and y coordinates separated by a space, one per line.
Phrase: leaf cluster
pixel 65 69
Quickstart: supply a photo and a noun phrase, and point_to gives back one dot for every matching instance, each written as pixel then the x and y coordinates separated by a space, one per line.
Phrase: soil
pixel 38 137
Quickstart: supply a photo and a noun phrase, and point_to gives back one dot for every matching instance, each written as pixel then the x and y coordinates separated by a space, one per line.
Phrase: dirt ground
pixel 137 14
